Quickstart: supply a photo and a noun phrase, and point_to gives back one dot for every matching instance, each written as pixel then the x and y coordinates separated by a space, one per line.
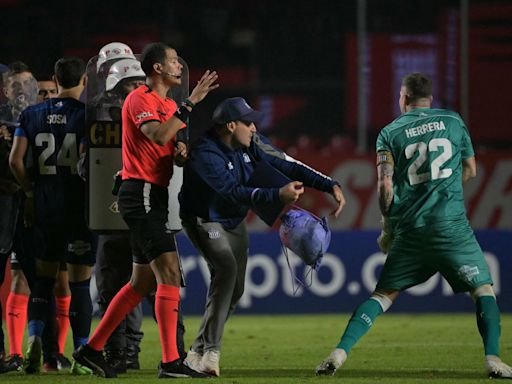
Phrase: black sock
pixel 80 311
pixel 38 303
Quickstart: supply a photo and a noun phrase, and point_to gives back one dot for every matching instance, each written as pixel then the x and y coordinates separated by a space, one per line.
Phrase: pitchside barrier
pixel 347 276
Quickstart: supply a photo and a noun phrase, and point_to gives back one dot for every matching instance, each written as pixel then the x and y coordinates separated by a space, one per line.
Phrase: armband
pixel 385 157
pixel 188 103
pixel 183 114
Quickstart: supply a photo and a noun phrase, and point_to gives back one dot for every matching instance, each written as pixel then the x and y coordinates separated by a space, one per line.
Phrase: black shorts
pixel 70 244
pixel 143 207
pixel 9 208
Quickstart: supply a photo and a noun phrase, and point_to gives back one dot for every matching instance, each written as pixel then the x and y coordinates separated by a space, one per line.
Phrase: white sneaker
pixel 193 360
pixel 210 363
pixel 497 368
pixel 332 362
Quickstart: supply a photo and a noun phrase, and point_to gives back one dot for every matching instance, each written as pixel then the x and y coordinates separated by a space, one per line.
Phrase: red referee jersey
pixel 142 158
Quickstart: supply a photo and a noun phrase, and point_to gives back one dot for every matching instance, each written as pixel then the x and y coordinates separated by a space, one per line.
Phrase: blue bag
pixel 306 235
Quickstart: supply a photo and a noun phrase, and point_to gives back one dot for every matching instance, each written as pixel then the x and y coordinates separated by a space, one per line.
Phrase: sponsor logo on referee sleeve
pixel 143 115
pixel 213 234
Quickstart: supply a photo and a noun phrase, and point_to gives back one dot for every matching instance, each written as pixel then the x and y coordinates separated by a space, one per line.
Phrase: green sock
pixel 488 321
pixel 360 322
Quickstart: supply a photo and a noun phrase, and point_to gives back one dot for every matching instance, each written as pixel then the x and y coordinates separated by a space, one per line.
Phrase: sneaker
pixel 117 359
pixel 496 368
pixel 332 363
pixel 210 363
pixel 94 360
pixel 79 370
pixel 176 369
pixel 132 357
pixel 32 363
pixel 193 360
pixel 13 363
pixel 63 362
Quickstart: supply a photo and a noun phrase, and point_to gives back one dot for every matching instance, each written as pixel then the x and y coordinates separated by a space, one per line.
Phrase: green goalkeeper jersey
pixel 428 146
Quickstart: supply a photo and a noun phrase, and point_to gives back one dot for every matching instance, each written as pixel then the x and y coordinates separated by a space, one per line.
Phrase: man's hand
pixel 180 154
pixel 204 86
pixel 5 134
pixel 386 237
pixel 290 192
pixel 337 193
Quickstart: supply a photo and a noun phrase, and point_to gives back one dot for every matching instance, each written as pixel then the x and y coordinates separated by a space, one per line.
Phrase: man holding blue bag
pixel 233 169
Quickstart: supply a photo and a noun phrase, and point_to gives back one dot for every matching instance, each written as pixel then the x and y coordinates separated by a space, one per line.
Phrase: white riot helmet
pixel 123 69
pixel 113 51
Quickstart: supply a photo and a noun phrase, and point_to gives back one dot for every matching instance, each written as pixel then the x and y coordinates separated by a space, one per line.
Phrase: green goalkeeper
pixel 423 158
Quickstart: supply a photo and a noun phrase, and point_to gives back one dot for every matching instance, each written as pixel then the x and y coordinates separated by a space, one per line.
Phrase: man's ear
pixel 157 67
pixel 84 80
pixel 231 126
pixel 407 100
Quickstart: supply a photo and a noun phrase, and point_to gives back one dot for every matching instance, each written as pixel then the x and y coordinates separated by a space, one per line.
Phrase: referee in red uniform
pixel 150 123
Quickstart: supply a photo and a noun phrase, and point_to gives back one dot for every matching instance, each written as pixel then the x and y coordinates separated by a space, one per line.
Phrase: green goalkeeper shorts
pixel 448 247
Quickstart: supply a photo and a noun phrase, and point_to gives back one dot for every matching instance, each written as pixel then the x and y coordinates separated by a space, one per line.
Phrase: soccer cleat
pixel 94 360
pixel 117 359
pixel 210 363
pixel 176 369
pixel 332 363
pixel 79 370
pixel 13 363
pixel 63 362
pixel 496 368
pixel 132 357
pixel 50 366
pixel 193 360
pixel 32 363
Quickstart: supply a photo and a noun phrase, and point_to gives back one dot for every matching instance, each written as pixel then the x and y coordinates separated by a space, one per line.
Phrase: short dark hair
pixel 15 68
pixel 417 85
pixel 69 71
pixel 151 54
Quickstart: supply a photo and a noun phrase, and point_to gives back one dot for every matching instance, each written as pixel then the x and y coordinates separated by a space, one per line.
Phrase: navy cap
pixel 233 109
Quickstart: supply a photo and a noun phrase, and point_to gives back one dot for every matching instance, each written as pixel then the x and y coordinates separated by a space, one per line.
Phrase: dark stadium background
pixel 297 61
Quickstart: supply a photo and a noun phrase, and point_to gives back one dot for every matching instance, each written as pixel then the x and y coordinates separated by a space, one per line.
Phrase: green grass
pixel 285 349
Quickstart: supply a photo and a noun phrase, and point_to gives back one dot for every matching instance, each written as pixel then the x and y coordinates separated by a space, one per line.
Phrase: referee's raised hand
pixel 204 86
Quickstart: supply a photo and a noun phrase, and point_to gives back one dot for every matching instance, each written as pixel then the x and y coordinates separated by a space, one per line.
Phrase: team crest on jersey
pixel 230 166
pixel 247 159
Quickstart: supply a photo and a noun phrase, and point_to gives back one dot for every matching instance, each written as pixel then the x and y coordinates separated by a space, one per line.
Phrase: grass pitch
pixel 285 349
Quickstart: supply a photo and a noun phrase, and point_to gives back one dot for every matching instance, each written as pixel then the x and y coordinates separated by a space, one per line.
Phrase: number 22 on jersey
pixel 423 150
pixel 66 157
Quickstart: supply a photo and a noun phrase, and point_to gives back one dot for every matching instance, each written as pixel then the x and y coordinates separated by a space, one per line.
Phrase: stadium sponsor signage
pixel 489 195
pixel 347 276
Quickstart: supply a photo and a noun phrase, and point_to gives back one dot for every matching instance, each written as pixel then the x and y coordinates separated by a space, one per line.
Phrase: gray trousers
pixel 225 252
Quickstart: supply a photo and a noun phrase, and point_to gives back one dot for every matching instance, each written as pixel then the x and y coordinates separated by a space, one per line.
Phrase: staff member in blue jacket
pixel 214 201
